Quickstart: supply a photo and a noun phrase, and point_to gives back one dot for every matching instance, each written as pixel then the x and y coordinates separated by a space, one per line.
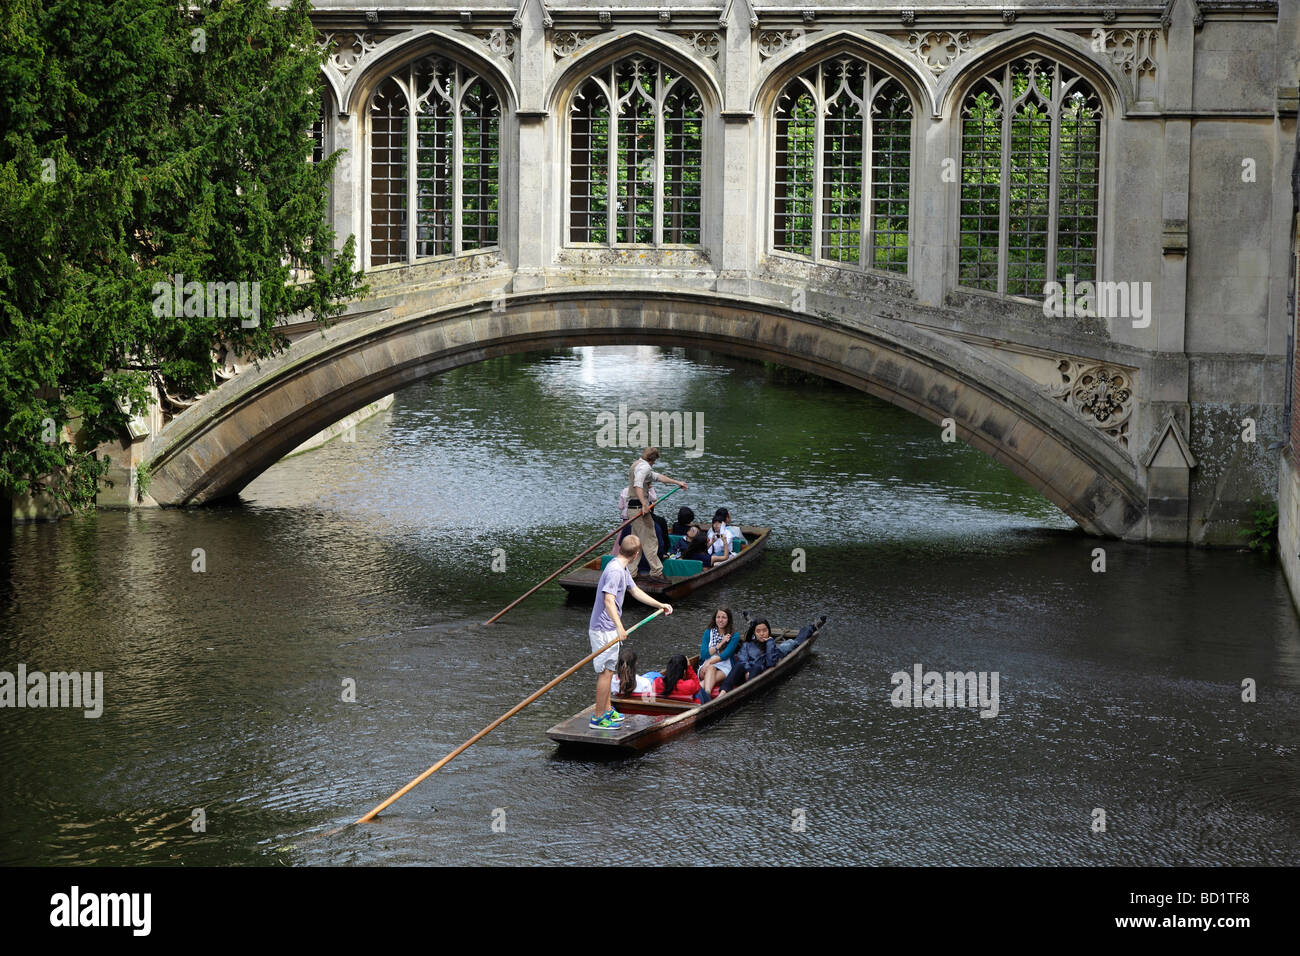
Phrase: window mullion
pixel 1053 178
pixel 658 204
pixel 457 160
pixel 412 162
pixel 866 204
pixel 1004 200
pixel 611 190
pixel 819 172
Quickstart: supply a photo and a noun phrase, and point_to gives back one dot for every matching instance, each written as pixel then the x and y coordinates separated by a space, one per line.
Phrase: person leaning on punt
pixel 717 646
pixel 640 500
pixel 755 655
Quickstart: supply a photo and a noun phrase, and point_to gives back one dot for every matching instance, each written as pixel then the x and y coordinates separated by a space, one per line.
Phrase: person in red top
pixel 679 681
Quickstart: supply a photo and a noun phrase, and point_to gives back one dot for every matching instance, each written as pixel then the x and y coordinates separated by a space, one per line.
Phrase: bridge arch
pixel 238 431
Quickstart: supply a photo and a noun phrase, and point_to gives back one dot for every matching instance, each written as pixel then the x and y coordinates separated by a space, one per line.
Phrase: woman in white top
pixel 719 542
pixel 723 515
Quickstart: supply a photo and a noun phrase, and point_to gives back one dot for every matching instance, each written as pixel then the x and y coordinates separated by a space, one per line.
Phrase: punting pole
pixel 495 724
pixel 574 561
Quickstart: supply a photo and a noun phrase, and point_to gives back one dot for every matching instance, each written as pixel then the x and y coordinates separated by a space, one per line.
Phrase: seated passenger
pixel 756 655
pixel 737 536
pixel 719 542
pixel 625 675
pixel 685 520
pixel 717 646
pixel 679 682
pixel 695 547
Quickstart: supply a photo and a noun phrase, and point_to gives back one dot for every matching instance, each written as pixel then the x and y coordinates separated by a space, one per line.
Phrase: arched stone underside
pixel 222 443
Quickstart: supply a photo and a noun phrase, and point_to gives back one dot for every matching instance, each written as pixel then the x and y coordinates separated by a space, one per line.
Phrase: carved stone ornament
pixel 1133 51
pixel 352 49
pixel 938 48
pixel 568 42
pixel 772 42
pixel 1102 395
pixel 704 42
pixel 500 41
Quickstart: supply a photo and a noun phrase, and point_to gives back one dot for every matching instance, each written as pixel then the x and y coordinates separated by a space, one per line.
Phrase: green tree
pixel 145 139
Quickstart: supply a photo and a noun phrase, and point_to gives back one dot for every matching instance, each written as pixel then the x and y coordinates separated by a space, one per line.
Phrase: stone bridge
pixel 882 196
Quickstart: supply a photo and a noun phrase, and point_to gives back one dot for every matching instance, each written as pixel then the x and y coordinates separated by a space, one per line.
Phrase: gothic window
pixel 439 171
pixel 1030 179
pixel 843 166
pixel 635 157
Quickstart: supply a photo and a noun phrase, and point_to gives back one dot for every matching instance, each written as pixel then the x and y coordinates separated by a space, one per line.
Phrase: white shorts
pixel 609 660
pixel 724 667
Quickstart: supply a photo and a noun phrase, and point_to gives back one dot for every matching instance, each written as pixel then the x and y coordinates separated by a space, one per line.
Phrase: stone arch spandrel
pixel 1071 50
pixel 779 70
pixel 603 50
pixel 395 52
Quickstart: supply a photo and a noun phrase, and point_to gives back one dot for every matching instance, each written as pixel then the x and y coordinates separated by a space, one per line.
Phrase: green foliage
pixel 135 148
pixel 1262 534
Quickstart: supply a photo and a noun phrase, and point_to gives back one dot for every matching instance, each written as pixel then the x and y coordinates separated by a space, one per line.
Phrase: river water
pixel 370 561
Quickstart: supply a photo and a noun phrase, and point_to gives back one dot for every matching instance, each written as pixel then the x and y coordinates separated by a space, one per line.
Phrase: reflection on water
pixel 370 561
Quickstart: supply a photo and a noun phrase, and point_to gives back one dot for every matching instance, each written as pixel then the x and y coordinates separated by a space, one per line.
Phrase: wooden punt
pixel 584 579
pixel 648 723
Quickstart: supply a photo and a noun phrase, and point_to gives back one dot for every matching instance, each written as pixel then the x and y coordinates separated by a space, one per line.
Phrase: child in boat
pixel 625 675
pixel 757 654
pixel 717 647
pixel 679 680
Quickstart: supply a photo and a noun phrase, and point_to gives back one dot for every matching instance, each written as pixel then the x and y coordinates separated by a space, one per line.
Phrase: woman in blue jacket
pixel 717 647
pixel 757 654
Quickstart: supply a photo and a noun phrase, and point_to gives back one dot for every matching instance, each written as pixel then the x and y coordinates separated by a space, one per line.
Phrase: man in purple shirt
pixel 607 624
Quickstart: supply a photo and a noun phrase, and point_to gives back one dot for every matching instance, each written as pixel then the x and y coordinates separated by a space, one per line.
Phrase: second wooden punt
pixel 584 579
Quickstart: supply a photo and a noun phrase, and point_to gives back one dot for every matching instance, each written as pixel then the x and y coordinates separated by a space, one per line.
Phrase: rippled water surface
pixel 370 560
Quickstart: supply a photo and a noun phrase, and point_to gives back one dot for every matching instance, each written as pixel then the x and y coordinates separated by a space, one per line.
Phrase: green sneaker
pixel 603 723
pixel 614 715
